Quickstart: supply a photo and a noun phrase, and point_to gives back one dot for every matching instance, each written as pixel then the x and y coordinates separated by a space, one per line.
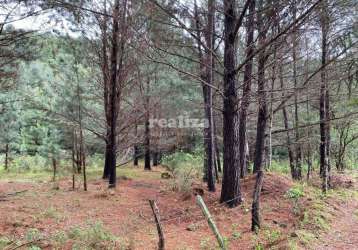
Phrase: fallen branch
pixel 2 197
pixel 25 244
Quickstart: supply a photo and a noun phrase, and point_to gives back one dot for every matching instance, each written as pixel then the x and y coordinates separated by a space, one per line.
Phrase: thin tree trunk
pixel 255 211
pixel 204 77
pixel 136 155
pixel 261 123
pixel 106 156
pixel 271 117
pixel 113 111
pixel 218 161
pixel 328 134
pixel 155 158
pixel 298 155
pixel 308 131
pixel 83 158
pixel 322 104
pixel 230 192
pixel 77 153
pixel 147 131
pixel 206 68
pixel 54 169
pixel 286 125
pixel 136 149
pixel 217 151
pixel 106 90
pixel 73 160
pixel 7 156
pixel 209 104
pixel 246 93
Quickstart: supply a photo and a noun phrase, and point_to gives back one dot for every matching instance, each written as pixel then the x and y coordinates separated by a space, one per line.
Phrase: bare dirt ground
pixel 126 213
pixel 344 231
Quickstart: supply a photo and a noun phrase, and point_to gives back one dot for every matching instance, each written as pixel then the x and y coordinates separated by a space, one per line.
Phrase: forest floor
pixel 47 215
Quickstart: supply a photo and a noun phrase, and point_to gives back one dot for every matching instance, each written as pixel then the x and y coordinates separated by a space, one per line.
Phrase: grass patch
pixel 91 236
pixel 53 213
pixel 305 237
pixel 4 241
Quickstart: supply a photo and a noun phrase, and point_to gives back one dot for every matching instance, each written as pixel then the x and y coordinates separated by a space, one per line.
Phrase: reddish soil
pixel 344 232
pixel 126 212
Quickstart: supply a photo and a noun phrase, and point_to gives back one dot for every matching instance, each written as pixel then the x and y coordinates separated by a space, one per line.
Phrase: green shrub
pixel 185 168
pixel 182 159
pixel 4 241
pixel 295 192
pixel 94 236
pixel 33 234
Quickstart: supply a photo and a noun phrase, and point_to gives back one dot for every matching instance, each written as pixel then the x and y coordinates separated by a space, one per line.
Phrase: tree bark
pixel 136 155
pixel 324 168
pixel 106 90
pixel 136 148
pixel 73 160
pixel 54 166
pixel 217 154
pixel 208 96
pixel 217 151
pixel 261 122
pixel 255 210
pixel 286 125
pixel 206 74
pixel 298 154
pixel 262 115
pixel 246 93
pixel 7 156
pixel 106 157
pixel 113 111
pixel 155 158
pixel 230 192
pixel 83 158
pixel 147 130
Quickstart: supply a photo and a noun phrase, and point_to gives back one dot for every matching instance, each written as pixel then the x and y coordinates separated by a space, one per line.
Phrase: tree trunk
pixel 285 122
pixel 155 158
pixel 324 168
pixel 106 159
pixel 217 151
pixel 206 68
pixel 208 140
pixel 230 192
pixel 245 100
pixel 136 149
pixel 106 90
pixel 147 131
pixel 113 111
pixel 298 155
pixel 7 156
pixel 328 133
pixel 77 153
pixel 136 155
pixel 209 98
pixel 271 117
pixel 261 123
pixel 217 154
pixel 83 158
pixel 54 169
pixel 73 160
pixel 255 210
pixel 309 147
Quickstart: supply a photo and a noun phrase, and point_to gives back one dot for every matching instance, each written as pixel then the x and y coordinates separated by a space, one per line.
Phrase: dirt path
pixel 344 230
